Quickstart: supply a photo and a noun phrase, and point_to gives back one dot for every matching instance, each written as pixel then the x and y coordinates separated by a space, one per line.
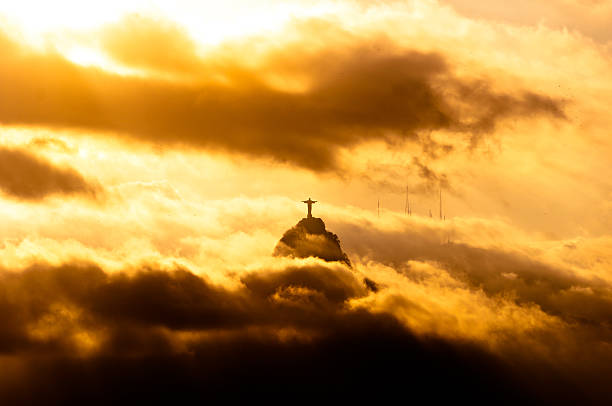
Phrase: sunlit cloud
pixel 155 158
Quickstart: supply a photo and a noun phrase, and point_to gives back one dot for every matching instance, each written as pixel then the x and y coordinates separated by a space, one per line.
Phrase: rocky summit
pixel 309 238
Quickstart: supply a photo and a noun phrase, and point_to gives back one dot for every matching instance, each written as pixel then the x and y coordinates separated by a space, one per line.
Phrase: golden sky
pixel 152 154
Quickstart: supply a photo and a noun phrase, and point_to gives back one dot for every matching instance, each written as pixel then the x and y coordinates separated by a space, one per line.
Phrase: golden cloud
pixel 368 90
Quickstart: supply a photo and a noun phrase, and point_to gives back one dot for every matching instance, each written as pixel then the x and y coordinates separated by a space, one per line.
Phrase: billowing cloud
pixel 355 91
pixel 28 177
pixel 151 44
pixel 171 289
pixel 411 299
pixel 114 334
pixel 556 288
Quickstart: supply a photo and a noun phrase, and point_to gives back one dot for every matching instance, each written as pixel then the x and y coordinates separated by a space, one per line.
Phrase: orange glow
pixel 154 159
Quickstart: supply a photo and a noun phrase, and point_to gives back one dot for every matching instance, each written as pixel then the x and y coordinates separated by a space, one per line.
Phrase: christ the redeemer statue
pixel 309 202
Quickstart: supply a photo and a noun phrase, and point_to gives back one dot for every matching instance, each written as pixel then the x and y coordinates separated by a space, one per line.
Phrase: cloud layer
pixel 282 332
pixel 354 90
pixel 443 313
pixel 28 177
pixel 170 289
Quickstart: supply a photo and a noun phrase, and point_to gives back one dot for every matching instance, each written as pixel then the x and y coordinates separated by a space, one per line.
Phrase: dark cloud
pixel 432 180
pixel 556 290
pixel 240 343
pixel 416 172
pixel 358 90
pixel 375 360
pixel 28 177
pixel 371 285
pixel 177 300
pixel 336 285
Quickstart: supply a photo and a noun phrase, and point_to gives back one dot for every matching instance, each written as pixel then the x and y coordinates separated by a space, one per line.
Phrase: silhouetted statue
pixel 309 202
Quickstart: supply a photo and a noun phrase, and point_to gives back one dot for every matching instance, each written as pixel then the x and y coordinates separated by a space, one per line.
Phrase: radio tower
pixel 407 209
pixel 440 202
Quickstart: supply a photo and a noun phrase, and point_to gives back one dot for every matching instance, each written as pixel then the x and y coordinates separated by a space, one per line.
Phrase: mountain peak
pixel 309 238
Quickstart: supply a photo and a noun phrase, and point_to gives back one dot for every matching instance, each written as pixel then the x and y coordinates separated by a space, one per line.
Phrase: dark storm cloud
pixel 177 300
pixel 556 290
pixel 344 354
pixel 431 178
pixel 358 90
pixel 28 177
pixel 336 286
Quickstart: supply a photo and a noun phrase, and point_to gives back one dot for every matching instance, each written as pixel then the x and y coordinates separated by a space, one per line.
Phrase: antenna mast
pixel 440 202
pixel 407 209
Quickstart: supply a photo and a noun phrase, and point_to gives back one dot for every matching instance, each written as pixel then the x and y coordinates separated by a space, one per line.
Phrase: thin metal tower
pixel 407 209
pixel 440 202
